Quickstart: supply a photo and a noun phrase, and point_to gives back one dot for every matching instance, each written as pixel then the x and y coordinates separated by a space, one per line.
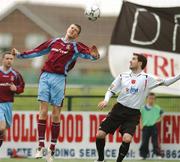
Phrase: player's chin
pixel 70 34
pixel 9 65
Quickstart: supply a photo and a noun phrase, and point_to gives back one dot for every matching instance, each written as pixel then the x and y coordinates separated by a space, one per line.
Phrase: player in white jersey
pixel 133 87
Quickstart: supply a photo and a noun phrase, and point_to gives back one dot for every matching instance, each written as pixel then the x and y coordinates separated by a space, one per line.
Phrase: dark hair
pixel 6 53
pixel 141 58
pixel 151 94
pixel 79 27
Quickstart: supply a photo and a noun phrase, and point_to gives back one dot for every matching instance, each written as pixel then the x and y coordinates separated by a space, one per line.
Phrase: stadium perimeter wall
pixel 77 136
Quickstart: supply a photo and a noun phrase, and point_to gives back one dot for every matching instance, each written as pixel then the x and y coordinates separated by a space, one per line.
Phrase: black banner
pixel 148 27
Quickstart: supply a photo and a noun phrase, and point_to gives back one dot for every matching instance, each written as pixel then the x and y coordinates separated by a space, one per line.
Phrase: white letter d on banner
pixel 133 40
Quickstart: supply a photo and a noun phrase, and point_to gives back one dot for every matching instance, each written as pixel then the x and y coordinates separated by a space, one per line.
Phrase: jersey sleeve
pixel 154 81
pixel 171 80
pixel 116 85
pixel 84 51
pixel 114 88
pixel 42 49
pixel 19 83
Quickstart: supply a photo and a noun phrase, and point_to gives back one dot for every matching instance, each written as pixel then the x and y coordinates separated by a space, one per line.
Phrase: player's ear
pixel 140 64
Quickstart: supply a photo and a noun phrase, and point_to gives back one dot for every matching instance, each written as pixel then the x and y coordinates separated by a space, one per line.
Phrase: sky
pixel 108 7
pixel 5 4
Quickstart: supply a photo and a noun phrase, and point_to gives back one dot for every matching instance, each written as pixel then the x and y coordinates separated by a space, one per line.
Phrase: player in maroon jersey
pixel 63 53
pixel 11 82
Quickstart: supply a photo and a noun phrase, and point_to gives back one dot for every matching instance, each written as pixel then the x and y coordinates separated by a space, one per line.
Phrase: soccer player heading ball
pixel 63 53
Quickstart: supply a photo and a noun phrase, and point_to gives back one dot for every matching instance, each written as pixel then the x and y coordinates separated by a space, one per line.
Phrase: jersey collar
pixel 5 72
pixel 147 107
pixel 65 41
pixel 136 74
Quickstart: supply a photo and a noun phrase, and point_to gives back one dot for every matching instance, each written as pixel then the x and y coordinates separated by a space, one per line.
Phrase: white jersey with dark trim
pixel 133 88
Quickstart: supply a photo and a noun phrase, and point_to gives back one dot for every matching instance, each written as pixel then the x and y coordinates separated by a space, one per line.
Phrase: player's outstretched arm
pixel 171 80
pixel 40 50
pixel 155 82
pixel 94 52
pixel 86 52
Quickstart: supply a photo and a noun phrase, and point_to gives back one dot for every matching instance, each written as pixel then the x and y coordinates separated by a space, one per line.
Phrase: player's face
pixel 134 64
pixel 72 31
pixel 151 100
pixel 8 60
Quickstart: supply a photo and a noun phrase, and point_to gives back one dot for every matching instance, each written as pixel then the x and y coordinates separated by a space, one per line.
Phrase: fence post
pixel 69 103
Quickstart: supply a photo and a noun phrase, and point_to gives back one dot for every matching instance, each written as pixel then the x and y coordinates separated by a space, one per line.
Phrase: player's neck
pixel 68 39
pixel 4 68
pixel 136 71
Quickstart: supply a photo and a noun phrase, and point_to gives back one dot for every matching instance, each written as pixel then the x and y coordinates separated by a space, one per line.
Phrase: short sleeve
pixel 116 85
pixel 154 81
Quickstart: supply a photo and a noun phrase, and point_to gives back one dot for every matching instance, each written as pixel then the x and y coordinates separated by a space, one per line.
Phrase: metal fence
pixel 90 102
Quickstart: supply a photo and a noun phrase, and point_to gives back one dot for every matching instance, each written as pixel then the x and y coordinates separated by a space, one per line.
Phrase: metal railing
pixel 89 102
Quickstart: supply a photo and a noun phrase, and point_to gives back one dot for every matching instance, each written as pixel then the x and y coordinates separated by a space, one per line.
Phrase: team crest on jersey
pixel 68 47
pixel 12 78
pixel 133 81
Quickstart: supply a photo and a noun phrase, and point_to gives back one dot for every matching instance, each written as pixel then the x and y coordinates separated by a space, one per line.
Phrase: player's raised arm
pixel 42 49
pixel 86 52
pixel 155 82
pixel 15 52
pixel 94 52
pixel 171 80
